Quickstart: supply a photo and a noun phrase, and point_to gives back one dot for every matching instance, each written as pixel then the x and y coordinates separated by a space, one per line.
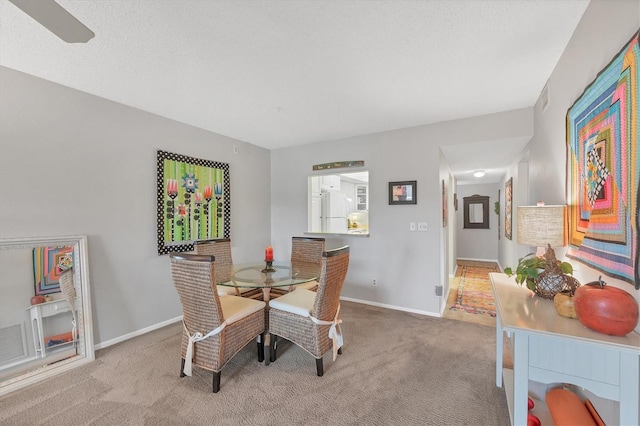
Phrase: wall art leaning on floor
pixel 603 169
pixel 194 201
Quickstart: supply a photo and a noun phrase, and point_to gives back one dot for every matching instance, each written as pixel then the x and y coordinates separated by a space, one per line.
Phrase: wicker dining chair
pixel 310 319
pixel 219 248
pixel 306 250
pixel 68 289
pixel 215 328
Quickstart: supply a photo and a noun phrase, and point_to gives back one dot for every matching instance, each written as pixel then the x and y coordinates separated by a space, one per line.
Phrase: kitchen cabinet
pixel 362 198
pixel 314 216
pixel 315 185
pixel 330 183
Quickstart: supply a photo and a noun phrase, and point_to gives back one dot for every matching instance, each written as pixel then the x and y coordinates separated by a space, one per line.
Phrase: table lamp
pixel 542 225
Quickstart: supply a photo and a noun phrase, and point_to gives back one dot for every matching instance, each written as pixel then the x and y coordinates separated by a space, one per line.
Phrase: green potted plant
pixel 530 266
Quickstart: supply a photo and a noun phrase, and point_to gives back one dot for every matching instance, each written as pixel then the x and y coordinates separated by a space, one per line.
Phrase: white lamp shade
pixel 542 225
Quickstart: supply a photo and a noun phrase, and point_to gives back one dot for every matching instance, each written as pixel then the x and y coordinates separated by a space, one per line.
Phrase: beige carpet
pixel 461 315
pixel 396 369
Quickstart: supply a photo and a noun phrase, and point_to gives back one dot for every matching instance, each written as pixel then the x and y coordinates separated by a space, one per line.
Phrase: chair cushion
pixel 226 291
pixel 299 302
pixel 235 308
pixel 306 286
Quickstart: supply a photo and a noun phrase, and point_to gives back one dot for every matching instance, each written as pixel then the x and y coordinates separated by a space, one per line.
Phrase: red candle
pixel 268 254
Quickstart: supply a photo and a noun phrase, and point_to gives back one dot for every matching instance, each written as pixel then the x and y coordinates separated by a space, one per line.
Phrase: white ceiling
pixel 282 73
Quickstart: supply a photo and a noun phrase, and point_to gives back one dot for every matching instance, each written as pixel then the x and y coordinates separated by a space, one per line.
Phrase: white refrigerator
pixel 333 212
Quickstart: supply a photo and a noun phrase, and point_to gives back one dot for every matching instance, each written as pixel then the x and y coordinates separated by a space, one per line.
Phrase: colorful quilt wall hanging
pixel 193 201
pixel 46 269
pixel 603 169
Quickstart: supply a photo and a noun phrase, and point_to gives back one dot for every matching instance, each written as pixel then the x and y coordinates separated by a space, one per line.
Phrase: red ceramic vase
pixel 606 309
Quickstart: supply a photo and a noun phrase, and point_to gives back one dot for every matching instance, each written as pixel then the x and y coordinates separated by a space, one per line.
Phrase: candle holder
pixel 269 266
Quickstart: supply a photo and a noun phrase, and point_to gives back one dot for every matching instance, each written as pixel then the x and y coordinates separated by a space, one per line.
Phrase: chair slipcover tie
pixel 196 337
pixel 335 331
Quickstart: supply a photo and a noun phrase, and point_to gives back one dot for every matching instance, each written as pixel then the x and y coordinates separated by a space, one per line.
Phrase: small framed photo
pixel 404 192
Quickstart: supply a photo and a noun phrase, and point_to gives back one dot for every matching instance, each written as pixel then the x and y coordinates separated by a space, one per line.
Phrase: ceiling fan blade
pixel 56 19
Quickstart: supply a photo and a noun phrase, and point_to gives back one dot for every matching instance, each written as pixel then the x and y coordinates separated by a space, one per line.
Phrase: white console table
pixel 37 313
pixel 549 348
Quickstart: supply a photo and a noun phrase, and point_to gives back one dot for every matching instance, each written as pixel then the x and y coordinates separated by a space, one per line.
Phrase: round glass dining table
pixel 283 275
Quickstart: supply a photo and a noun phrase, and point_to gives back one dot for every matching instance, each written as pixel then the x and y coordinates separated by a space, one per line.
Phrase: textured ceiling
pixel 283 73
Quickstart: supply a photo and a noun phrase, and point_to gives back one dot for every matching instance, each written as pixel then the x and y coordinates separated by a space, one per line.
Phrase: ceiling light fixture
pixel 478 173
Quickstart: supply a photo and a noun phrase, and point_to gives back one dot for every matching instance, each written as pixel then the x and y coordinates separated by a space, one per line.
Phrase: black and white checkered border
pixel 163 247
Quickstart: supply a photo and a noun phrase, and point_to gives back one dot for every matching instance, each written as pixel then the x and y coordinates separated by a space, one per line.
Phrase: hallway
pixel 451 299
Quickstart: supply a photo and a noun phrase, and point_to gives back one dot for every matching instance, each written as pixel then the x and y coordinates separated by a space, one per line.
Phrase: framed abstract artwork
pixel 508 212
pixel 403 192
pixel 193 199
pixel 445 202
pixel 46 272
pixel 498 213
pixel 603 169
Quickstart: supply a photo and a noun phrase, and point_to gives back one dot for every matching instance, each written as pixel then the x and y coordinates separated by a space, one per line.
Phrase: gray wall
pixel 72 163
pixel 509 250
pixel 407 265
pixel 585 56
pixel 605 28
pixel 478 244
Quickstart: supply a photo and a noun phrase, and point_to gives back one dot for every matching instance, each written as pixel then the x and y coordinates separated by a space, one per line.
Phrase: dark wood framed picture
pixel 404 192
pixel 476 212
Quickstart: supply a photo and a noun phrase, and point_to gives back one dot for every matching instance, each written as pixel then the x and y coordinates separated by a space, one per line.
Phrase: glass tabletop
pixel 250 275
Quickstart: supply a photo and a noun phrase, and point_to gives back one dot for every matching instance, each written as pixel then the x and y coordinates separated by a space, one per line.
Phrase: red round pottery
pixel 36 300
pixel 606 309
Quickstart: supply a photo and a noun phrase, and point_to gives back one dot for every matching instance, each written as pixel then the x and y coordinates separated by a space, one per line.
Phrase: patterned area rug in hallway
pixel 474 292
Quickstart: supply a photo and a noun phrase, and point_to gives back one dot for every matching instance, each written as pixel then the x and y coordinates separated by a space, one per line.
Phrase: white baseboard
pixel 444 305
pixel 479 260
pixel 395 308
pixel 145 330
pixel 136 333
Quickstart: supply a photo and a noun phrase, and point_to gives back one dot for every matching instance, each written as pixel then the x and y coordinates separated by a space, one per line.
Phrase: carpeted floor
pixel 397 369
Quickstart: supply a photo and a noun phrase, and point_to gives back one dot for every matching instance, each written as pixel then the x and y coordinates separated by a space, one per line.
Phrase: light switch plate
pixel 412 226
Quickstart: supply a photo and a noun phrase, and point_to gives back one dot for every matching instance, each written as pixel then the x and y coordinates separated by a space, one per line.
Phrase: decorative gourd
pixel 606 309
pixel 36 300
pixel 564 305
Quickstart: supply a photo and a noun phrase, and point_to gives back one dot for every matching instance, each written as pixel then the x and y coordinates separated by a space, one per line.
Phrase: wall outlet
pixel 374 282
pixel 412 226
pixel 422 226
